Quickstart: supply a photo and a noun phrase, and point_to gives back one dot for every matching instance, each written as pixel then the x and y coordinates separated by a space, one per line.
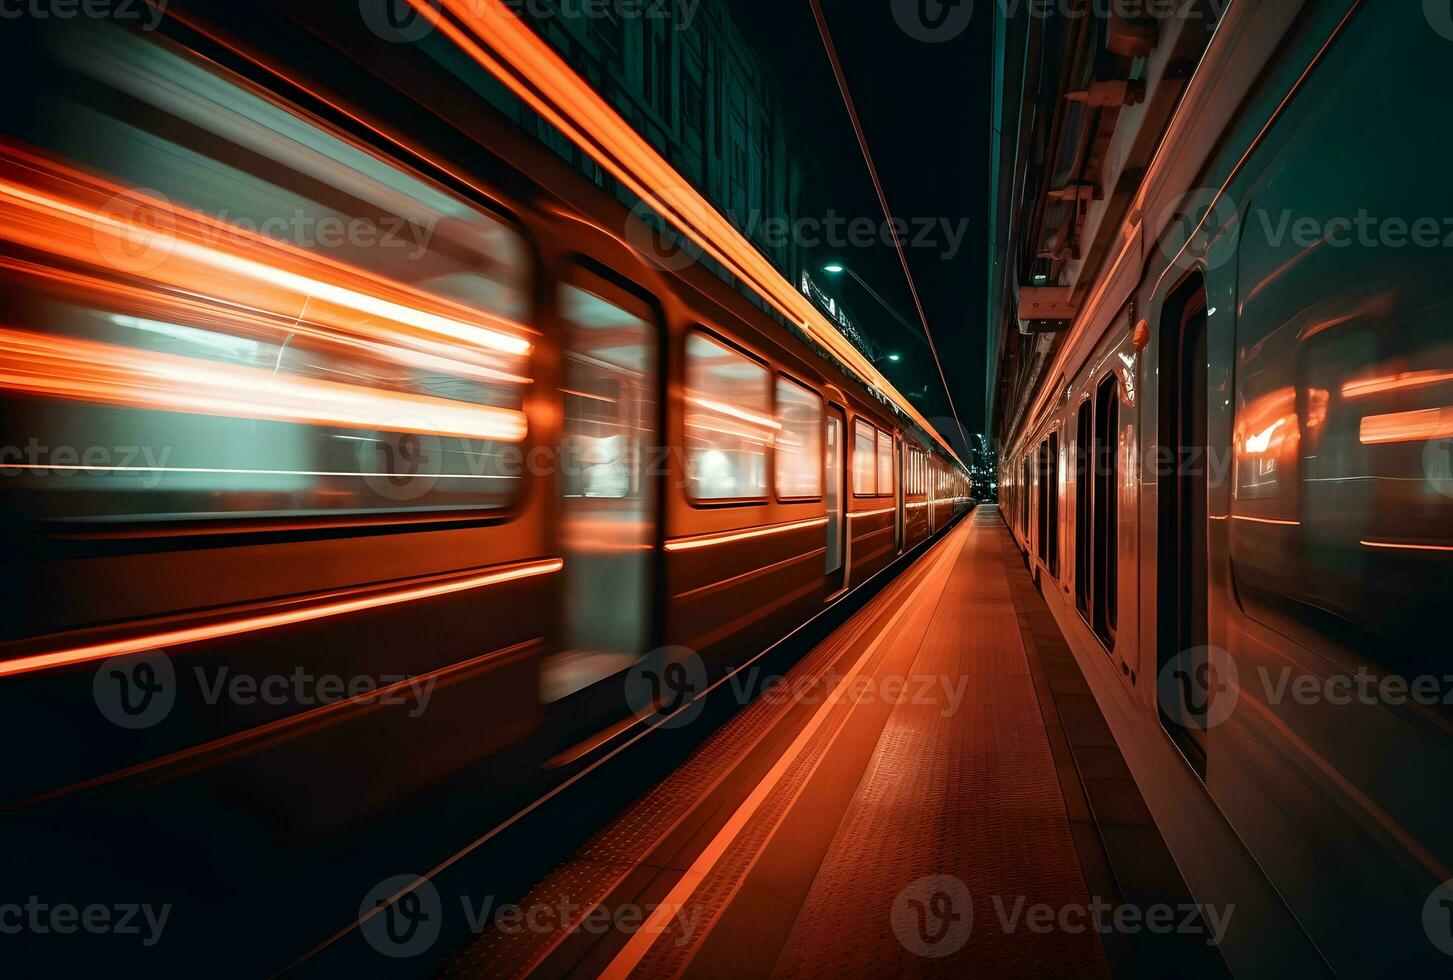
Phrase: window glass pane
pixel 885 464
pixel 606 516
pixel 799 443
pixel 282 324
pixel 609 402
pixel 865 449
pixel 728 422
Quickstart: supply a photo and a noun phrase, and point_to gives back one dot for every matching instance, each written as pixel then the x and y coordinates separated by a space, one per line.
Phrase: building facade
pixel 683 74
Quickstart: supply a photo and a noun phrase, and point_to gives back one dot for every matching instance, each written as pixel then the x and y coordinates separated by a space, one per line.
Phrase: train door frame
pixel 583 270
pixel 899 460
pixel 1183 631
pixel 836 415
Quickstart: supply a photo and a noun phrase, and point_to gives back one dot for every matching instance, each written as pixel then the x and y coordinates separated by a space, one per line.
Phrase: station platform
pixel 930 791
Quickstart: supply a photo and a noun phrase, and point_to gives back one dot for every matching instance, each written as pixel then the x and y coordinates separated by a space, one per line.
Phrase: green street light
pixel 894 357
pixel 833 269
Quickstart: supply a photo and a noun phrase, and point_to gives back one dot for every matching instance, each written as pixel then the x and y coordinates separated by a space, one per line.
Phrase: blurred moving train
pixel 288 396
pixel 1235 486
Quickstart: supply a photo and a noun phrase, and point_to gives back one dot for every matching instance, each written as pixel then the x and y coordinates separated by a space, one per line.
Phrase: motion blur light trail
pixel 531 70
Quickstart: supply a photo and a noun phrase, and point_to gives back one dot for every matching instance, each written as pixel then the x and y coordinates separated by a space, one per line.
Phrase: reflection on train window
pixel 609 362
pixel 885 464
pixel 609 401
pixel 283 324
pixel 729 422
pixel 865 455
pixel 1362 461
pixel 799 444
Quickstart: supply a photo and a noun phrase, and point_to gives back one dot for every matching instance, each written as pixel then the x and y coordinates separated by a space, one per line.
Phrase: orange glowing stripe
pixel 543 80
pixel 722 408
pixel 1265 520
pixel 711 540
pixel 1408 547
pixel 265 621
pixel 1418 426
pixel 872 513
pixel 153 304
pixel 1395 382
pixel 110 374
pixel 90 221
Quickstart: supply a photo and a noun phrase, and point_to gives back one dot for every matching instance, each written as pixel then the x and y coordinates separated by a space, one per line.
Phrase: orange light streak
pixel 722 408
pixel 112 228
pixel 1394 382
pixel 1408 547
pixel 244 323
pixel 265 621
pixel 1266 520
pixel 711 540
pixel 111 374
pixel 1418 426
pixel 527 66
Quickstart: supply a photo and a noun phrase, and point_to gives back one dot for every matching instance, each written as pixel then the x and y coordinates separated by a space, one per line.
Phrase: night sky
pixel 925 110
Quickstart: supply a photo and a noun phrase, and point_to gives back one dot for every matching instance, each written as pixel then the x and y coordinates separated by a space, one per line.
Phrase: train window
pixel 1082 508
pixel 285 324
pixel 1024 490
pixel 609 390
pixel 1106 481
pixel 798 457
pixel 1052 481
pixel 885 465
pixel 609 394
pixel 1042 492
pixel 729 422
pixel 865 459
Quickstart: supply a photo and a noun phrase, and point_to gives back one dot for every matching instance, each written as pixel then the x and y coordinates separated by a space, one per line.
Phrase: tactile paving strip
pixel 973 797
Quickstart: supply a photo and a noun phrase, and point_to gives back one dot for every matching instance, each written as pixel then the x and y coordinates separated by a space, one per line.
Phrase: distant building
pixel 696 90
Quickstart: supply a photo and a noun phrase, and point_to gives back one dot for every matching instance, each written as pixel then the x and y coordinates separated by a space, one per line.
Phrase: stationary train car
pixel 325 378
pixel 1235 488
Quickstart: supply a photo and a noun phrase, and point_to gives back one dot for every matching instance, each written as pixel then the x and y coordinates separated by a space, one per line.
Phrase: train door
pixel 932 498
pixel 899 472
pixel 835 496
pixel 1183 528
pixel 609 388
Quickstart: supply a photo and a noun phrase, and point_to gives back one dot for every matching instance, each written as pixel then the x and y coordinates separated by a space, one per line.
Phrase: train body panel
pixel 1282 508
